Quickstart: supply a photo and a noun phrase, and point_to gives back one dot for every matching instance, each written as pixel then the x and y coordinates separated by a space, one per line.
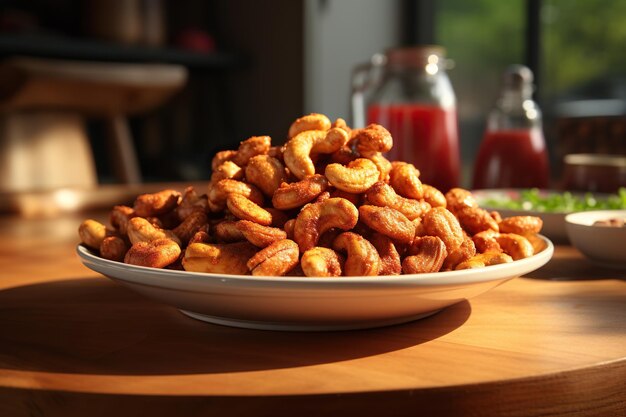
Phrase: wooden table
pixel 73 343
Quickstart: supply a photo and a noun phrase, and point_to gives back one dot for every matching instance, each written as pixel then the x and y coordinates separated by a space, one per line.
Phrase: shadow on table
pixel 95 326
pixel 576 269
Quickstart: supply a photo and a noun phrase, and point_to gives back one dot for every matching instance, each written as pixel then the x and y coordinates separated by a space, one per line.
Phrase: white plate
pixel 298 303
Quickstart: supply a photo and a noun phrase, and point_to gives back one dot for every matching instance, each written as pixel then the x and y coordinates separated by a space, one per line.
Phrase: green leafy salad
pixel 554 202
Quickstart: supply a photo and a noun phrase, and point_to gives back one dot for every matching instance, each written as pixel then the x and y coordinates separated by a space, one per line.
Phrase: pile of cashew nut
pixel 326 204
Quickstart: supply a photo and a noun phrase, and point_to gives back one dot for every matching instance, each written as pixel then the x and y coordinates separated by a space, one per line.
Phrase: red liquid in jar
pixel 512 158
pixel 426 136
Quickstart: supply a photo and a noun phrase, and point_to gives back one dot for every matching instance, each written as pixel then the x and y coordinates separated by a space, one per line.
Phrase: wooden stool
pixel 43 104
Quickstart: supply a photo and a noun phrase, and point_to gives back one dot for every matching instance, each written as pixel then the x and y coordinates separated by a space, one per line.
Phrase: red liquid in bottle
pixel 426 136
pixel 512 158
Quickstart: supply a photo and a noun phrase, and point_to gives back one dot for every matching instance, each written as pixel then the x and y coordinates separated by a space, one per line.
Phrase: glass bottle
pixel 407 90
pixel 513 151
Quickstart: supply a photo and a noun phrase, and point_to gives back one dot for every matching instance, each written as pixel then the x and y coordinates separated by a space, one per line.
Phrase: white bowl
pixel 300 303
pixel 604 245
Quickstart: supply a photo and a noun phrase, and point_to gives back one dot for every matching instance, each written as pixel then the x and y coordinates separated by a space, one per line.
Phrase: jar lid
pixel 518 77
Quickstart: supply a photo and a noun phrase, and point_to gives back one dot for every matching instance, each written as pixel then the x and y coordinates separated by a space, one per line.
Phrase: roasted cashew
pixel 228 232
pixel 92 233
pixel 484 259
pixel 362 258
pixel 245 209
pixel 256 145
pixel 389 222
pixel 357 177
pixel 201 236
pixel 288 228
pixel 157 253
pixel 315 219
pixel 427 255
pixel 389 257
pixel 372 139
pixel 191 202
pixel 341 124
pixel 221 157
pixel 440 222
pixel 404 178
pixel 458 198
pixel 275 260
pixel 298 150
pixel 155 204
pixel 297 194
pixel 322 262
pixel 343 156
pixel 119 217
pixel 258 235
pixel 433 196
pixel 113 248
pixel 141 230
pixel 475 219
pixel 276 152
pixel 313 121
pixel 190 226
pixel 265 172
pixel 227 170
pixel 517 246
pixel 383 195
pixel 229 258
pixel 219 191
pixel 382 164
pixel 485 241
pixel 521 225
pixel 460 254
pixel 279 218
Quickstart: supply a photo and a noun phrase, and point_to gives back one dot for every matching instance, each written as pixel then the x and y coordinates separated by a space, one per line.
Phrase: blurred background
pixel 173 82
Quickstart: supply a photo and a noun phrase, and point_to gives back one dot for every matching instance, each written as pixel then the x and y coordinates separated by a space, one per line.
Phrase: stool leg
pixel 123 155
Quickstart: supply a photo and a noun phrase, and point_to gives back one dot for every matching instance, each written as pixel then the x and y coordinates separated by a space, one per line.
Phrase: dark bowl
pixel 594 172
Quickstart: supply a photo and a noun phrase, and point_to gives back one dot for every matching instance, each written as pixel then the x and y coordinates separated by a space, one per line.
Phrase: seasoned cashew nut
pixel 383 165
pixel 119 217
pixel 389 222
pixel 279 218
pixel 92 233
pixel 484 259
pixel 517 246
pixel 383 195
pixel 190 226
pixel 265 172
pixel 372 139
pixel 227 170
pixel 219 191
pixel 458 198
pixel 113 248
pixel 341 124
pixel 155 254
pixel 343 156
pixel 299 193
pixel 155 204
pixel 362 257
pixel 315 219
pixel 485 241
pixel 433 196
pixel 141 230
pixel 245 209
pixel 275 260
pixel 521 225
pixel 228 258
pixel 460 254
pixel 475 220
pixel 298 150
pixel 227 231
pixel 389 257
pixel 221 157
pixel 538 243
pixel 288 227
pixel 404 178
pixel 313 121
pixel 256 145
pixel 427 255
pixel 258 235
pixel 191 202
pixel 440 222
pixel 322 262
pixel 357 177
pixel 201 236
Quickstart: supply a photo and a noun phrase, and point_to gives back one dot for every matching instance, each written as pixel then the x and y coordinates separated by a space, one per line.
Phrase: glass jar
pixel 407 90
pixel 513 151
